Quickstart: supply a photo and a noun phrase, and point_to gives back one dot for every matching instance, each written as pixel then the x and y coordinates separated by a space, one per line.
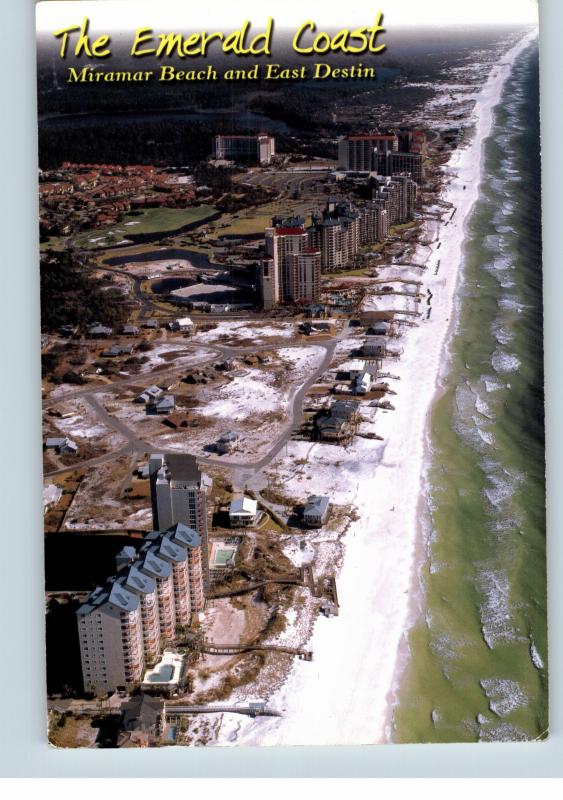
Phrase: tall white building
pixel 290 271
pixel 123 625
pixel 363 152
pixel 257 148
pixel 111 638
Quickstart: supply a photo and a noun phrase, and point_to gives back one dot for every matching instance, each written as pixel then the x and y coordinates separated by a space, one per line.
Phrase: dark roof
pixel 171 551
pixel 184 535
pixel 141 713
pixel 343 409
pixel 372 137
pixel 153 565
pixel 317 505
pixel 182 467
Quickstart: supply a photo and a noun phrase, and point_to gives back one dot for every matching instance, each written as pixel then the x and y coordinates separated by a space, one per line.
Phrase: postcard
pixel 292 373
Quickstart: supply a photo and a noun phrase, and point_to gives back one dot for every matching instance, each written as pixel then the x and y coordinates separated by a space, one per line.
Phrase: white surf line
pixel 344 695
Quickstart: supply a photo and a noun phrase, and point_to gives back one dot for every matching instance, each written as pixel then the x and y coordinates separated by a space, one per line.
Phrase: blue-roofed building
pixel 316 511
pixel 124 623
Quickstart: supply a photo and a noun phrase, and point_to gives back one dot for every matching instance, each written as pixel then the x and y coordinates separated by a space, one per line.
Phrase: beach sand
pixel 345 695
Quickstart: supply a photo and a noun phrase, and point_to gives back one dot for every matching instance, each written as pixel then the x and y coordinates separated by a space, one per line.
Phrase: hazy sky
pixel 189 16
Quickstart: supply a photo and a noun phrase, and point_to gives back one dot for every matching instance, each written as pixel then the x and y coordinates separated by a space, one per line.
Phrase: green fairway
pixel 150 220
pixel 154 220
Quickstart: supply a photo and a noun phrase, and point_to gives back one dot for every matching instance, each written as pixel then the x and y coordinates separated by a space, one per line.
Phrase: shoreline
pixel 347 694
pixel 417 598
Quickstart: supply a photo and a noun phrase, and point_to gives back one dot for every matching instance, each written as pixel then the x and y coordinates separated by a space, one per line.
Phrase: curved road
pixel 135 444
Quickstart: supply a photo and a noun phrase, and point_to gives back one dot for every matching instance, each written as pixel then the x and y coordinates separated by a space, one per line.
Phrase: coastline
pixel 347 695
pixel 489 97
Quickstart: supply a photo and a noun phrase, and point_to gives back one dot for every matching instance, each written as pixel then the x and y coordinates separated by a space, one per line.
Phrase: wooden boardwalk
pixel 212 649
pixel 287 580
pixel 250 711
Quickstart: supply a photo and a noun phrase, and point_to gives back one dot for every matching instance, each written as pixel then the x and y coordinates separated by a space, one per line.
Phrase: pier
pixel 252 710
pixel 212 649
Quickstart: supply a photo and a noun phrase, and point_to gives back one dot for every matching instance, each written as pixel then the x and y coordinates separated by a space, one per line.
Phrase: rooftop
pixel 243 505
pixel 181 467
pixel 317 505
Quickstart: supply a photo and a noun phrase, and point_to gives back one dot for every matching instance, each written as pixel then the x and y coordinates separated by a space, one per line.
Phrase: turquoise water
pixel 478 654
pixel 163 675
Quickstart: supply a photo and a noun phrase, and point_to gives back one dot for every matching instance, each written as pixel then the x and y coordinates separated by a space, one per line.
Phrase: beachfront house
pixel 380 328
pixel 316 511
pixel 354 368
pixel 142 720
pixel 362 384
pixel 374 346
pixel 340 423
pixel 242 512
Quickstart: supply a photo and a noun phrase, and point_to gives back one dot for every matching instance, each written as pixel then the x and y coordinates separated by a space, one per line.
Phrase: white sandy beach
pixel 344 696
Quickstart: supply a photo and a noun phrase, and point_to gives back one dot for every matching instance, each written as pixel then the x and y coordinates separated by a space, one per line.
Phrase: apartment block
pixel 412 163
pixel 179 494
pixel 360 152
pixel 111 638
pixel 123 625
pixel 374 222
pixel 290 270
pixel 413 141
pixel 252 149
pixel 305 275
pixel 336 232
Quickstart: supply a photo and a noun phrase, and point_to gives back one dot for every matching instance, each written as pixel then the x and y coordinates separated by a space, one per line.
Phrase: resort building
pixel 336 232
pixel 385 154
pixel 360 153
pixel 123 625
pixel 404 162
pixel 291 269
pixel 111 638
pixel 305 276
pixel 254 149
pixel 413 141
pixel 179 494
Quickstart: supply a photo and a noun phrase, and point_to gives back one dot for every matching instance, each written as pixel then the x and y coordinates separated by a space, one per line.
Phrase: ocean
pixel 477 665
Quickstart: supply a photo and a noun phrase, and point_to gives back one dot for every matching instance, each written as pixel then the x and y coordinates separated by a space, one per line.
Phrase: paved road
pixel 136 445
pixel 143 377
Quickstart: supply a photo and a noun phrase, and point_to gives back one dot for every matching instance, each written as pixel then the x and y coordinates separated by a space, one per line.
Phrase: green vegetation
pixel 351 272
pixel 53 243
pixel 154 220
pixel 151 220
pixel 402 226
pixel 254 220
